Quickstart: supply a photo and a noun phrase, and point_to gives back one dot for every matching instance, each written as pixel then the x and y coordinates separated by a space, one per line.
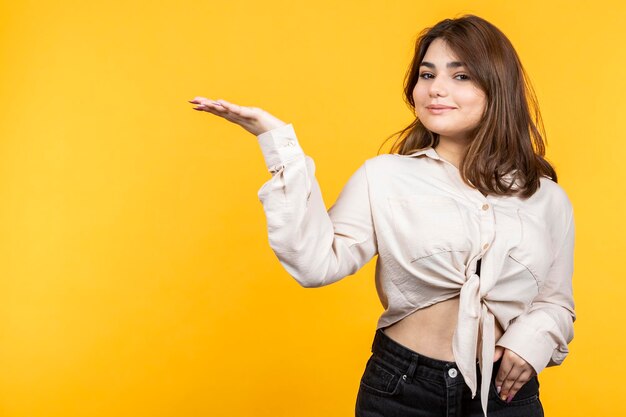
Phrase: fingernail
pixel 508 400
pixel 498 389
pixel 503 397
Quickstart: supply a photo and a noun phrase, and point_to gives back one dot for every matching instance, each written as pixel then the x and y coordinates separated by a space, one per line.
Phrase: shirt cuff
pixel 279 146
pixel 532 346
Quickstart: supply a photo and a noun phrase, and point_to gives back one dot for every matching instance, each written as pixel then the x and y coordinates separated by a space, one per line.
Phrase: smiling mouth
pixel 439 110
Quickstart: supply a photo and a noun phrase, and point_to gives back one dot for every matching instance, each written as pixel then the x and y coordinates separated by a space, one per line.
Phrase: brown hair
pixel 511 124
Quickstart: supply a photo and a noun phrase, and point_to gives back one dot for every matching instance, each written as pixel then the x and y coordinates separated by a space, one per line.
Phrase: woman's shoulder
pixel 384 168
pixel 390 160
pixel 554 193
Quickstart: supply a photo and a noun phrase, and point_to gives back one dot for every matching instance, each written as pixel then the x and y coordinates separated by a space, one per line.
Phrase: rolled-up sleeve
pixel 542 334
pixel 315 245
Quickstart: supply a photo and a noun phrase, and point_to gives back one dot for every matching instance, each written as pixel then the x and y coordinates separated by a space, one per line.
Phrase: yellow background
pixel 136 278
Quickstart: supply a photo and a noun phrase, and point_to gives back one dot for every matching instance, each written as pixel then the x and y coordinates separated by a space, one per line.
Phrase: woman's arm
pixel 539 337
pixel 316 246
pixel 542 334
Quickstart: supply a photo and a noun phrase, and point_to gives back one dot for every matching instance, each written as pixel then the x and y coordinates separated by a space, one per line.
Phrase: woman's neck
pixel 452 150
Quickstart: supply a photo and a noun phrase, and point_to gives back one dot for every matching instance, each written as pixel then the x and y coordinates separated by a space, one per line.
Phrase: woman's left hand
pixel 514 372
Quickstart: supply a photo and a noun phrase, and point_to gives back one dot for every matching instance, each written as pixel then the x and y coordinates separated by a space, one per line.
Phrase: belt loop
pixel 413 366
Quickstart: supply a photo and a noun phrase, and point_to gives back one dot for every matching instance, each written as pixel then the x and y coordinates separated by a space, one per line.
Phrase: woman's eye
pixel 460 77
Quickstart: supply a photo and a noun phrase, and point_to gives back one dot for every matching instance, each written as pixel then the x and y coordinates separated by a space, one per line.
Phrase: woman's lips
pixel 439 109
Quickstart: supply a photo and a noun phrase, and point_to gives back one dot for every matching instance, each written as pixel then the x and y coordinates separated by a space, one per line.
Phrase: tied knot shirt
pixel 429 230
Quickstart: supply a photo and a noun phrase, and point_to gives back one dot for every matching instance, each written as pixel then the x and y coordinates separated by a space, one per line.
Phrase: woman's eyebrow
pixel 453 64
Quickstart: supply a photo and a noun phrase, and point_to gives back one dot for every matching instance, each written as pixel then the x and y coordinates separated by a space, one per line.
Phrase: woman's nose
pixel 437 88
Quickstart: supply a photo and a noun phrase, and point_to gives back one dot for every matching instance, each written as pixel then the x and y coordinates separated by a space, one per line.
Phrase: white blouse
pixel 429 229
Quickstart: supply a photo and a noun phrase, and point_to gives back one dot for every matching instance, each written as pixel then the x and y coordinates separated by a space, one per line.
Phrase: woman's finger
pixel 514 372
pixel 222 106
pixel 199 100
pixel 522 379
pixel 212 106
pixel 234 108
pixel 242 111
pixel 223 111
pixel 252 119
pixel 503 380
pixel 203 101
pixel 216 110
pixel 507 374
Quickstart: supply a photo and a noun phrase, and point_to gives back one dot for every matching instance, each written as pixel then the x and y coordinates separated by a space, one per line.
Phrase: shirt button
pixel 486 245
pixel 452 372
pixel 485 206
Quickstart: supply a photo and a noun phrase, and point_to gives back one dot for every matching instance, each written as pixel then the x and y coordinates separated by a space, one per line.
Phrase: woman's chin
pixel 445 131
pixel 441 132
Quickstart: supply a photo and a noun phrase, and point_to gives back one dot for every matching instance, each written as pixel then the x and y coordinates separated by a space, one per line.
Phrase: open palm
pixel 252 119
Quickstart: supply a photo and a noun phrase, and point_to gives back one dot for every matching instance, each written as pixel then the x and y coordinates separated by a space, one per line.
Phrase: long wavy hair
pixel 506 154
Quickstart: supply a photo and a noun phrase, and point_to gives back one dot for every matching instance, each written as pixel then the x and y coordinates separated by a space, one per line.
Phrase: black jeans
pixel 399 382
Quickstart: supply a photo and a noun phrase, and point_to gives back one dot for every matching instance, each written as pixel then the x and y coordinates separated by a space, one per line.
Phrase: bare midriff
pixel 429 330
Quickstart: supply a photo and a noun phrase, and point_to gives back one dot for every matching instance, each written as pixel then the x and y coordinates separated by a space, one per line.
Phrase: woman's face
pixel 443 81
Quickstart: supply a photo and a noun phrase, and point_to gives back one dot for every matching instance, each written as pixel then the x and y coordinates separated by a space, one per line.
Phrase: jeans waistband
pixel 411 362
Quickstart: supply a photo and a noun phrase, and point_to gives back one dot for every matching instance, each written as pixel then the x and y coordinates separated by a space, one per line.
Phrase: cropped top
pixel 429 230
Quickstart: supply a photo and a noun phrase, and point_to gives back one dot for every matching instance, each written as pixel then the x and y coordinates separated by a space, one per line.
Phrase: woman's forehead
pixel 439 47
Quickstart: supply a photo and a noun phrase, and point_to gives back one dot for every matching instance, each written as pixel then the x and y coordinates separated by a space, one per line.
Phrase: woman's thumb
pixel 498 353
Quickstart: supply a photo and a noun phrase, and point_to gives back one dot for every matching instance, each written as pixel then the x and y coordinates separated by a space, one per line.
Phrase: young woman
pixel 474 237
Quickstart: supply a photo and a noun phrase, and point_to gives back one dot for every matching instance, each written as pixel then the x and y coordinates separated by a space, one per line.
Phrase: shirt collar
pixel 428 151
pixel 432 153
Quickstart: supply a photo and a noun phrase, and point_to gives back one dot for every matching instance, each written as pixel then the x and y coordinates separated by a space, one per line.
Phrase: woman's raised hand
pixel 252 119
